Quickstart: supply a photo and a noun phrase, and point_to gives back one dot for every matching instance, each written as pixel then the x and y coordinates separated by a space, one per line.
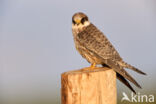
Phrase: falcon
pixel 94 46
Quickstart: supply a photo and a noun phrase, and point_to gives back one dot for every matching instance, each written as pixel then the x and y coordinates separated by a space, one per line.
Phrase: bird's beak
pixel 78 21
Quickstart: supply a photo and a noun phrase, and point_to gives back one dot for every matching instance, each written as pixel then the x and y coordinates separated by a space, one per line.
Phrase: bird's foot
pixel 93 66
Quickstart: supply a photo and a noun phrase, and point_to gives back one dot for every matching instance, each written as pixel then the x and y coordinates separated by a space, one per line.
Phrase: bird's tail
pixel 125 82
pixel 122 79
pixel 126 65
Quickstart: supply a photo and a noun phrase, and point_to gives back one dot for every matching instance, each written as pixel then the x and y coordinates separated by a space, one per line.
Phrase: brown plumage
pixel 93 45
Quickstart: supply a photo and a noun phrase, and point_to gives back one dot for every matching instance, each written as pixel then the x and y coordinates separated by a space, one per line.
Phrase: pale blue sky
pixel 36 43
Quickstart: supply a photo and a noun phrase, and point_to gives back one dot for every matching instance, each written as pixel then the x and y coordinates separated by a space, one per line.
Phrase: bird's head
pixel 80 20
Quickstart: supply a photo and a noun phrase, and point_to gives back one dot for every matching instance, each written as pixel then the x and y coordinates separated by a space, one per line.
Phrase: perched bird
pixel 93 45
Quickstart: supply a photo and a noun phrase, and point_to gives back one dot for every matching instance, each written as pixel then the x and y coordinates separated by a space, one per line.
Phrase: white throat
pixel 79 28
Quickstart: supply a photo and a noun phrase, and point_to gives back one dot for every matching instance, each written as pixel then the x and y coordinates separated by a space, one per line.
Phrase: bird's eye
pixel 73 21
pixel 84 19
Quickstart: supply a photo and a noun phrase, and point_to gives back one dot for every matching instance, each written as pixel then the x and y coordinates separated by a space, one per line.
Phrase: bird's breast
pixel 85 53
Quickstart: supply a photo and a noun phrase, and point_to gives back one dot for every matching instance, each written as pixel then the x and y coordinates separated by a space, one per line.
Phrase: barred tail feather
pixel 121 71
pixel 126 65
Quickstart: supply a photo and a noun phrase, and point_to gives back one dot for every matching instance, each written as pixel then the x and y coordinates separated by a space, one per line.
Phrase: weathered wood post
pixel 88 86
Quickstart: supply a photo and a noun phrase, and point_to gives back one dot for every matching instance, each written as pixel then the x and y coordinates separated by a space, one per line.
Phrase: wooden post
pixel 89 86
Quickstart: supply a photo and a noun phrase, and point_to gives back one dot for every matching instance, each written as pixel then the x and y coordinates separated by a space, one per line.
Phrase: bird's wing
pixel 122 79
pixel 121 71
pixel 125 82
pixel 91 38
pixel 95 40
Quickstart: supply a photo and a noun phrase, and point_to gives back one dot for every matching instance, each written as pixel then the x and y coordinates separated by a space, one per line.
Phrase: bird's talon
pixel 93 66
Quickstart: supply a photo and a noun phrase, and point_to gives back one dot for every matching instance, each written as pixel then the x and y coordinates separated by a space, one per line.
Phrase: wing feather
pixel 93 40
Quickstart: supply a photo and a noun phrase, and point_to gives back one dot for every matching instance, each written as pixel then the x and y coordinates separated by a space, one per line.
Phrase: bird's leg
pixel 93 65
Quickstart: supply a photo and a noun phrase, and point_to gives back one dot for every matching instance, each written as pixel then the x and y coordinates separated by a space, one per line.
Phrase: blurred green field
pixel 57 99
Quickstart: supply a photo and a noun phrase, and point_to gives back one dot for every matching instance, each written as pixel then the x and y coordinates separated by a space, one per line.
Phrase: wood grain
pixel 86 86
